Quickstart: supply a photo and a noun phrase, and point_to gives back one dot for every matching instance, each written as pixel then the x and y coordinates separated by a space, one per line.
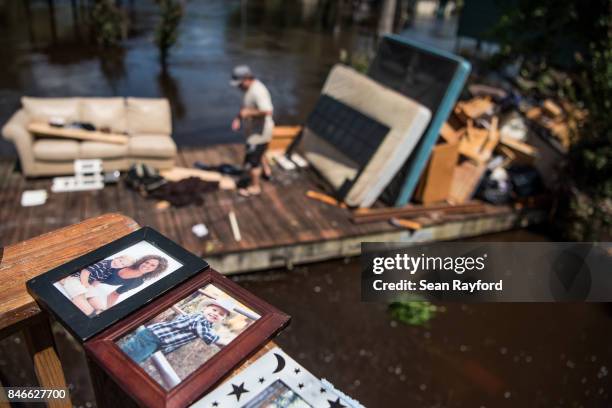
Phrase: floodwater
pixel 488 355
pixel 477 355
pixel 290 45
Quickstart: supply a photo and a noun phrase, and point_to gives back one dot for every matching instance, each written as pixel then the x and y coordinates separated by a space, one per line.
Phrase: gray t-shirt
pixel 258 130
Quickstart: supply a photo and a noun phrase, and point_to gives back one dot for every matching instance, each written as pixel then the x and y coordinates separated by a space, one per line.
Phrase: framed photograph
pixel 173 350
pixel 92 292
pixel 275 380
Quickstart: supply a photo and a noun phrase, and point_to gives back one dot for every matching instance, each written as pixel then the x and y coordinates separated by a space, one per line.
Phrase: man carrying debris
pixel 255 118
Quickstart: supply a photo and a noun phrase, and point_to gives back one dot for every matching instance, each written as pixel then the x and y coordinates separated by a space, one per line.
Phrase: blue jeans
pixel 141 345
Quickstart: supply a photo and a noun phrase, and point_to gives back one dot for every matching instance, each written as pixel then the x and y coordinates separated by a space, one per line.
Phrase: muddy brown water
pixel 489 355
pixel 478 355
pixel 290 45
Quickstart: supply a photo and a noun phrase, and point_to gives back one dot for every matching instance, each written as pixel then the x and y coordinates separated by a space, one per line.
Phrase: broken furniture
pixel 145 123
pixel 359 134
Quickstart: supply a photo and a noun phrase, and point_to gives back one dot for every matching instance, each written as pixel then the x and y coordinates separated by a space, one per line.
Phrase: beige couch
pixel 146 121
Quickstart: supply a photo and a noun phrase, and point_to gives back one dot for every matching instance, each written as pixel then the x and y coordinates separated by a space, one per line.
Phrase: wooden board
pixel 439 173
pixel 44 129
pixel 478 144
pixel 466 178
pixel 181 173
pixel 523 152
pixel 283 136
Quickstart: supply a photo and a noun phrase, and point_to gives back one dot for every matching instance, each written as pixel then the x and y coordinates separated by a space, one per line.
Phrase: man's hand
pixel 236 124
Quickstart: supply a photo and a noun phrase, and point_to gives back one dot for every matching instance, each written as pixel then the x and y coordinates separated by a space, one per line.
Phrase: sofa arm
pixel 15 130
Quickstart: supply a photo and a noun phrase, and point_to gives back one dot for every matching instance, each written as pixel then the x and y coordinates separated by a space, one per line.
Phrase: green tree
pixel 166 33
pixel 574 37
pixel 109 23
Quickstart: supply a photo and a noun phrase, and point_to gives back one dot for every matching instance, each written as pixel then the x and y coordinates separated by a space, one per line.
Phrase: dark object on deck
pixel 112 177
pixel 224 168
pixel 494 191
pixel 188 191
pixel 431 77
pixel 143 178
pixel 526 180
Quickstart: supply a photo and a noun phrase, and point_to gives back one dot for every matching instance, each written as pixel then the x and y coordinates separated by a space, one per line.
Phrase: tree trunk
pixel 387 17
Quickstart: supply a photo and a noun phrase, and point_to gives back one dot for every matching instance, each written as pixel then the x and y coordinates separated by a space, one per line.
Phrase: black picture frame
pixel 82 327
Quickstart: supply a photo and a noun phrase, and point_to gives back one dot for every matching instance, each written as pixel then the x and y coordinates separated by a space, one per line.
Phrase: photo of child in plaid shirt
pixel 179 340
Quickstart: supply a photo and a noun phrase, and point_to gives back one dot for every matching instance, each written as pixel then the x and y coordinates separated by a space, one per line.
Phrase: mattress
pixel 430 76
pixel 360 134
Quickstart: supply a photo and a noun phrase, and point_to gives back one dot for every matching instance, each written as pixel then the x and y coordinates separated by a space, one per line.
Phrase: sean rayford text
pixel 413 264
pixel 424 285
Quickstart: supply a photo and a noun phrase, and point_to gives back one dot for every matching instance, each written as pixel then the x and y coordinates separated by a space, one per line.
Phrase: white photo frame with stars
pixel 275 378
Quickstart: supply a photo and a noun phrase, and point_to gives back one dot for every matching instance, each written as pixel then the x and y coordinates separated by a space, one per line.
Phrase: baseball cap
pixel 239 73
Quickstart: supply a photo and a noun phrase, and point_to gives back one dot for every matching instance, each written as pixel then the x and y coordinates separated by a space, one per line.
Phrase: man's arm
pixel 205 331
pixel 253 113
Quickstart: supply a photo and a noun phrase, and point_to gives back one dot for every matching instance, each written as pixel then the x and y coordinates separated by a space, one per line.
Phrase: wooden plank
pixel 382 214
pixel 44 129
pixel 451 135
pixel 48 369
pixel 439 173
pixel 475 108
pixel 466 178
pixel 521 149
pixel 181 173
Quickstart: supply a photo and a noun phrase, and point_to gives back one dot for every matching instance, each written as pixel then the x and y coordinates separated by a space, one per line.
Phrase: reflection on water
pixel 290 45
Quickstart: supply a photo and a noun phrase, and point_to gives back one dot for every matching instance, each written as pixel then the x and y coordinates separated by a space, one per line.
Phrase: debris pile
pixel 483 151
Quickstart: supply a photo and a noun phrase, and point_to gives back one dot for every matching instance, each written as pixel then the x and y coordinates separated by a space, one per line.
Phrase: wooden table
pixel 22 261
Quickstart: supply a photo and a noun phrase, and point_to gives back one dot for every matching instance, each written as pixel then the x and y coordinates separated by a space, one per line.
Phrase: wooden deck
pixel 281 227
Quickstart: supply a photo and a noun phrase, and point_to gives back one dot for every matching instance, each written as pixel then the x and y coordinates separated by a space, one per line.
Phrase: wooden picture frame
pixel 104 351
pixel 44 290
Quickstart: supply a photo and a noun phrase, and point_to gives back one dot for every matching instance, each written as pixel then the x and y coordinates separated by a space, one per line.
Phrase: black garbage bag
pixel 143 178
pixel 184 192
pixel 224 168
pixel 493 191
pixel 526 180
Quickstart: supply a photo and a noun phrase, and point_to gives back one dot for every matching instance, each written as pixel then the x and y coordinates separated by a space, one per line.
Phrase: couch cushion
pixel 145 115
pixel 56 149
pixel 151 146
pixel 101 150
pixel 43 109
pixel 104 112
